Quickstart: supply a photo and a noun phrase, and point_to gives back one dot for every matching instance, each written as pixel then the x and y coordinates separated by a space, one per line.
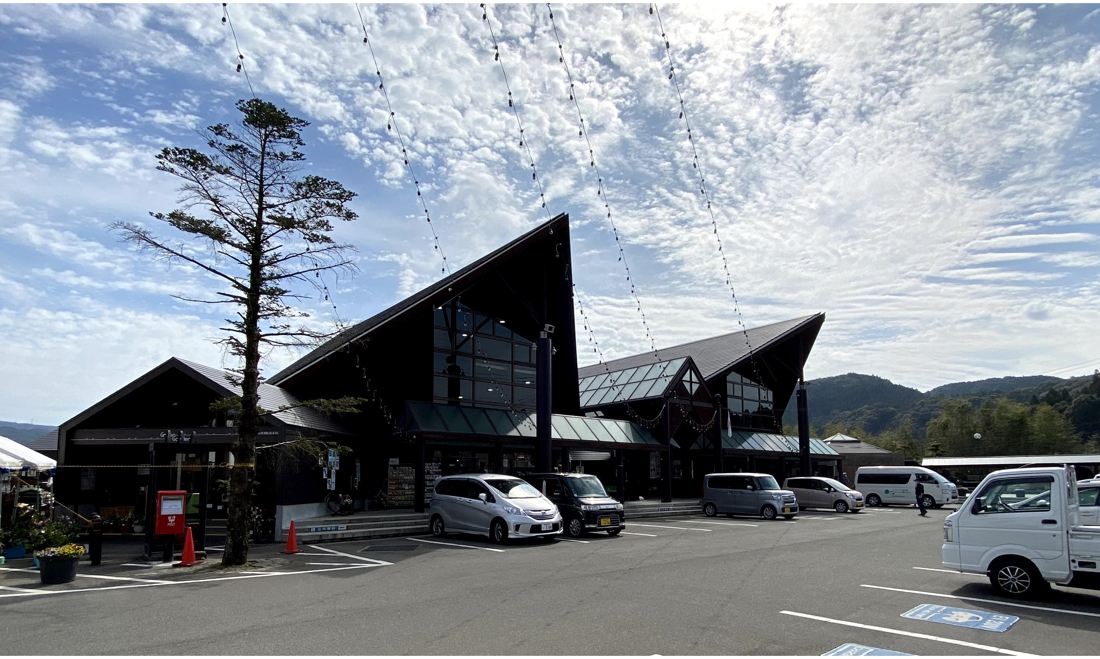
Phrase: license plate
pixel 605 521
pixel 548 527
pixel 859 504
pixel 786 510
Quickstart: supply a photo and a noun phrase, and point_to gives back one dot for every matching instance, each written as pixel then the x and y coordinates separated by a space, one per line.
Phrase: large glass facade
pixel 479 361
pixel 747 397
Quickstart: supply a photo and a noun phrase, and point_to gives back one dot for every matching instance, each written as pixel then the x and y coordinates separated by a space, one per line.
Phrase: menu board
pixel 402 484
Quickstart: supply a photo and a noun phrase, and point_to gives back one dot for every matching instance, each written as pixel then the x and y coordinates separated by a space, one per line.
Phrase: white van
pixel 885 485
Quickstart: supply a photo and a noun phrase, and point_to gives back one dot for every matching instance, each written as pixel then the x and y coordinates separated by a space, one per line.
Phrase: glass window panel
pixel 615 429
pixel 611 394
pixel 478 421
pixel 453 419
pixel 733 377
pixel 738 390
pixel 628 390
pixel 586 397
pixel 464 321
pixel 600 380
pixel 623 376
pixel 466 391
pixel 503 421
pixel 584 384
pixel 729 389
pixel 487 393
pixel 440 363
pixel 490 371
pixel 439 387
pixel 442 339
pixel 639 373
pixel 654 371
pixel 440 318
pixel 524 397
pixel 658 387
pixel 561 428
pixel 501 331
pixel 596 427
pixel 522 353
pixel 523 374
pixel 751 393
pixel 580 429
pixel 494 349
pixel 465 343
pixel 461 366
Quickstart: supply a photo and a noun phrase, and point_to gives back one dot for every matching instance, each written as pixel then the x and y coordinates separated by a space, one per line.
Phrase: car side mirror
pixel 751 487
pixel 484 497
pixel 828 489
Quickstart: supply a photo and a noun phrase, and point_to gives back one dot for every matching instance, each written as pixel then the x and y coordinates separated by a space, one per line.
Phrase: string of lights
pixel 375 395
pixel 601 191
pixel 240 56
pixel 697 165
pixel 391 125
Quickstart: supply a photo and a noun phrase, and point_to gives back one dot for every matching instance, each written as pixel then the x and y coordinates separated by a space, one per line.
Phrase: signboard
pixel 856 650
pixel 949 615
pixel 395 461
pixel 170 512
pixel 335 527
pixel 332 456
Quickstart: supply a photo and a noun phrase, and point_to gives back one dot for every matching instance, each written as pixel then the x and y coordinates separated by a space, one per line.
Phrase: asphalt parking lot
pixel 676 586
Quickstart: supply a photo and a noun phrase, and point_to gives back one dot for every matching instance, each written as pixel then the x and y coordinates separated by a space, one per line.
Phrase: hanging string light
pixel 391 126
pixel 375 396
pixel 601 191
pixel 697 165
pixel 240 56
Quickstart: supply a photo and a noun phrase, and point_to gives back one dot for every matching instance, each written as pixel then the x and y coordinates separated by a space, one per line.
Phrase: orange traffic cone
pixel 188 552
pixel 292 541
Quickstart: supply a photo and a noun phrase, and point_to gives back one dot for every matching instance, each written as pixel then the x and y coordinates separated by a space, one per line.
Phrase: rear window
pixel 881 478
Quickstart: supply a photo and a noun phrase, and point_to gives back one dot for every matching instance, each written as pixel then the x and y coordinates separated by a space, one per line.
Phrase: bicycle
pixel 380 501
pixel 339 504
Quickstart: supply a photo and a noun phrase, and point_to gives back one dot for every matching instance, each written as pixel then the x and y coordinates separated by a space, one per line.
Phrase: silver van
pixel 818 492
pixel 747 494
pixel 492 505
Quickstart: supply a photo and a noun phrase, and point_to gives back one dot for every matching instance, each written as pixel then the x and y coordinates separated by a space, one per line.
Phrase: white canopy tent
pixel 8 463
pixel 28 458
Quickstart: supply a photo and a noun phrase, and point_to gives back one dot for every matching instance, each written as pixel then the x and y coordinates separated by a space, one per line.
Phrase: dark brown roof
pixel 711 355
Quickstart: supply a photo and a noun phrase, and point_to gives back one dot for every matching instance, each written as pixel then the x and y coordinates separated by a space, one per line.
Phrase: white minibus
pixel 885 485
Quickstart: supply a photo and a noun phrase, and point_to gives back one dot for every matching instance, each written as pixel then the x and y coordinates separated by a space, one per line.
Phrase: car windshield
pixel 514 489
pixel 586 486
pixel 836 485
pixel 767 483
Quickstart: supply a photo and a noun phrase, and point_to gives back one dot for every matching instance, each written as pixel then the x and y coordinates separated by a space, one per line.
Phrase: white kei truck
pixel 1021 527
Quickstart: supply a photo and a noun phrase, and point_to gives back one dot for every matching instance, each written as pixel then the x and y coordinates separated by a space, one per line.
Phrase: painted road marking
pixel 899 632
pixel 987 601
pixel 356 564
pixel 148 565
pixel 700 521
pixel 91 576
pixel 373 561
pixel 949 615
pixel 936 569
pixel 675 528
pixel 248 575
pixel 648 535
pixel 856 650
pixel 453 544
pixel 572 540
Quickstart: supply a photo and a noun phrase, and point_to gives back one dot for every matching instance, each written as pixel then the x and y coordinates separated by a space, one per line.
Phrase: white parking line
pixel 453 544
pixel 572 540
pixel 883 512
pixel 900 632
pixel 648 535
pixel 92 576
pixel 700 521
pixel 937 569
pixel 987 601
pixel 372 561
pixel 675 528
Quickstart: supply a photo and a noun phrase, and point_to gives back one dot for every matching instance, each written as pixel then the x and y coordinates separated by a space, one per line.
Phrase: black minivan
pixel 583 502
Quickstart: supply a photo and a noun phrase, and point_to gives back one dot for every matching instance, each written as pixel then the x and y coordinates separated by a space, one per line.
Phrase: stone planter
pixel 57 569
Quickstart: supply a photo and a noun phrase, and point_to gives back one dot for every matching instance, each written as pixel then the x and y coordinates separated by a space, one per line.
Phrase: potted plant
pixel 58 564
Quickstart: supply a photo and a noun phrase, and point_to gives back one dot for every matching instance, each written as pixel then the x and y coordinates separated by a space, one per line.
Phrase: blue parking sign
pixel 855 650
pixel 949 615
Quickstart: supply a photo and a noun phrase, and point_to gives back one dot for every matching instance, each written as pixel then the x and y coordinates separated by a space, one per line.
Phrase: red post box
pixel 170 512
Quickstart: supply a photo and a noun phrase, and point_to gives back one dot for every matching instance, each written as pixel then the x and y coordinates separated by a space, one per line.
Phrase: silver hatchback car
pixel 492 505
pixel 820 492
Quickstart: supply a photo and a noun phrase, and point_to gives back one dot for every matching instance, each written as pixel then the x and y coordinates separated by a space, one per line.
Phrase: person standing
pixel 844 479
pixel 920 499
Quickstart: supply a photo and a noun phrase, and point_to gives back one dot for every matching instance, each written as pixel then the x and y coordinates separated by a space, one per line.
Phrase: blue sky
pixel 925 175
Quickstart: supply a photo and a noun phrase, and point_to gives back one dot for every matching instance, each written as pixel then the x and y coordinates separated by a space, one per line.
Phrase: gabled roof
pixel 629 384
pixel 715 354
pixel 47 441
pixel 456 280
pixel 766 442
pixel 847 445
pixel 271 397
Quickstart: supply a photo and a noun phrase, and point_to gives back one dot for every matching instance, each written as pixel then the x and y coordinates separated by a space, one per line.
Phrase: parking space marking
pixel 700 521
pixel 181 582
pixel 883 512
pixel 648 535
pixel 987 601
pixel 572 540
pixel 373 561
pixel 937 569
pixel 91 576
pixel 454 544
pixel 900 632
pixel 674 528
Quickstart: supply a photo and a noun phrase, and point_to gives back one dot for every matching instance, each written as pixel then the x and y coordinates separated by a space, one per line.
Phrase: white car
pixel 495 506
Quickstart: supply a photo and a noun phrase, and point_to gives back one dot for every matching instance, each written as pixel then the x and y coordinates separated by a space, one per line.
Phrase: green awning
pixel 489 423
pixel 765 442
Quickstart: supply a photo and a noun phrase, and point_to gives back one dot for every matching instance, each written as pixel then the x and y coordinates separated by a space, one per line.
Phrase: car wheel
pixel 768 512
pixel 710 510
pixel 873 500
pixel 574 528
pixel 437 526
pixel 1015 577
pixel 841 506
pixel 614 531
pixel 928 501
pixel 498 531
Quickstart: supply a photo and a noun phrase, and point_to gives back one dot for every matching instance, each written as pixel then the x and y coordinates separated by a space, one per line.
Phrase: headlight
pixel 587 507
pixel 512 510
pixel 777 497
pixel 618 506
pixel 948 531
pixel 851 495
pixel 553 510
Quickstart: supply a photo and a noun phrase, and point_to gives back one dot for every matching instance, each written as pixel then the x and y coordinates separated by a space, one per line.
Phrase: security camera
pixel 548 328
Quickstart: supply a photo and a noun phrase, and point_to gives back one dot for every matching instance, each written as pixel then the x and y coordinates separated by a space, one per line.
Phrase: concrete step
pixel 639 510
pixel 358 523
pixel 364 534
pixel 345 519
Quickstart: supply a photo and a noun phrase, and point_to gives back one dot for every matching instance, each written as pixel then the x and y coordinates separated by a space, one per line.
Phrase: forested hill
pixel 22 432
pixel 994 385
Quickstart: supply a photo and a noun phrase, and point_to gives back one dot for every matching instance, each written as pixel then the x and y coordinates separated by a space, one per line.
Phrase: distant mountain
pixel 994 385
pixel 856 400
pixel 23 433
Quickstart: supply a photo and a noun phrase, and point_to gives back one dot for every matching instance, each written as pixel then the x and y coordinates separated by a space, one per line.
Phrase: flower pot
pixel 57 569
pixel 15 552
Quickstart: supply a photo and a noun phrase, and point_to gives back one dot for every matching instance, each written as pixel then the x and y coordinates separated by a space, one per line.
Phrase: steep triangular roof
pixel 715 354
pixel 440 289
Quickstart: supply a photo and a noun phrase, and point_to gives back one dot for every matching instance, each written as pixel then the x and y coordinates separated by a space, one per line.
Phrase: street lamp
pixel 978 438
